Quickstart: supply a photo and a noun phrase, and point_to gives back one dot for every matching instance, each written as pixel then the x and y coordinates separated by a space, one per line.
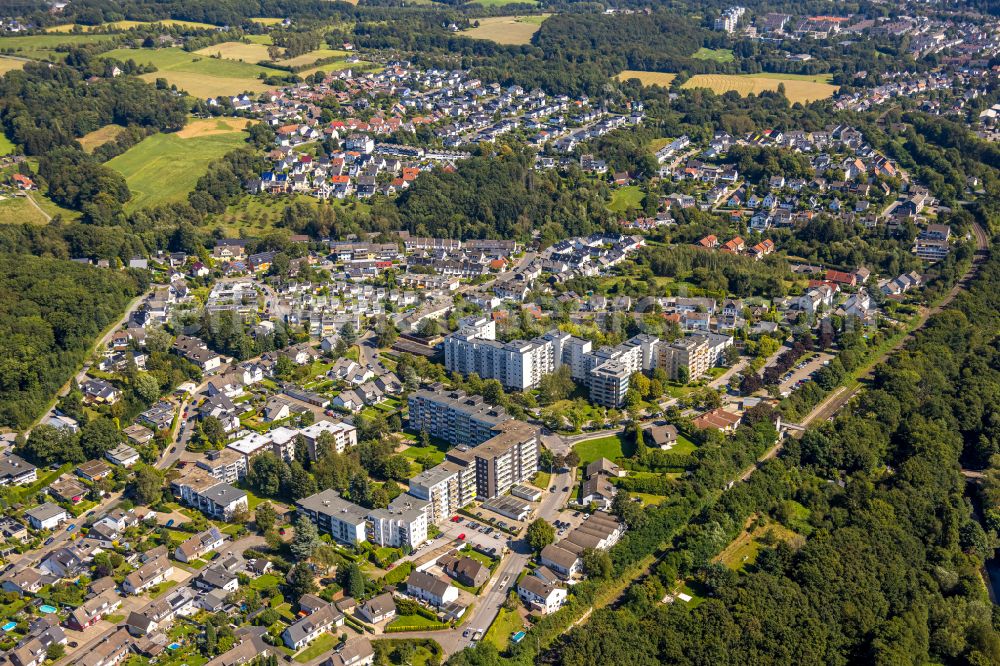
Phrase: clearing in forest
pixel 507 29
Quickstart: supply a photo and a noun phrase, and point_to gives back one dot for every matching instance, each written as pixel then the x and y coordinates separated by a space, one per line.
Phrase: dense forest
pixel 45 106
pixel 50 312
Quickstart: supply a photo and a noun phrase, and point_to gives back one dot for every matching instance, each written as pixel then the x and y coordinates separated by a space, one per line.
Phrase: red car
pixel 461 537
pixel 456 519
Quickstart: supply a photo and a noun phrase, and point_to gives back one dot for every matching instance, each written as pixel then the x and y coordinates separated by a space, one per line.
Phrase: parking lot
pixel 566 520
pixel 475 535
pixel 802 372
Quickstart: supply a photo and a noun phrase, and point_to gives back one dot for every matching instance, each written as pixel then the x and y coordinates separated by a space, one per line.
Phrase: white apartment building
pixel 403 523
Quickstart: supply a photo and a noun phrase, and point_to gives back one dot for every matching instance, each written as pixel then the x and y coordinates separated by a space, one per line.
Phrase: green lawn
pixel 322 644
pixel 718 55
pixel 6 145
pixel 611 447
pixel 431 452
pixel 43 47
pixel 198 75
pixel 479 557
pixel 414 621
pixel 626 198
pixel 162 589
pixel 265 582
pixel 684 446
pixel 506 624
pixel 541 480
pixel 164 168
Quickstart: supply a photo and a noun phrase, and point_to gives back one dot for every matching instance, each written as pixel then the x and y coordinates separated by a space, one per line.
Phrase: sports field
pixel 165 167
pixel 42 47
pixel 507 29
pixel 100 136
pixel 647 78
pixel 797 88
pixel 197 74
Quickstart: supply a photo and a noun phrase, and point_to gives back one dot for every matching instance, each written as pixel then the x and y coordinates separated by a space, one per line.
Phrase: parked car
pixel 461 537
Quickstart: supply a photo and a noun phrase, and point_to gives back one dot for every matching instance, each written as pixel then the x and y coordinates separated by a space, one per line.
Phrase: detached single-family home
pixel 540 596
pixel 377 609
pixel 199 544
pixel 356 652
pixel 309 628
pixel 93 610
pixel 122 455
pixel 15 471
pixel 46 516
pixel 153 572
pixel 435 591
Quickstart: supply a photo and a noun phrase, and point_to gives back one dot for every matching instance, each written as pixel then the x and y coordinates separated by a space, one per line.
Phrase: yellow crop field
pixel 798 89
pixel 210 126
pixel 100 136
pixel 311 57
pixel 647 78
pixel 252 53
pixel 126 25
pixel 266 20
pixel 8 64
pixel 206 85
pixel 507 29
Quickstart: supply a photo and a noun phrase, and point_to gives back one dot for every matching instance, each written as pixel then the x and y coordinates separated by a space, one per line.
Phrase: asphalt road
pixel 102 343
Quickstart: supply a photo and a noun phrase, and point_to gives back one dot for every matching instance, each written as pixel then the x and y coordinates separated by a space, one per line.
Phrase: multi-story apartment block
pixel 226 465
pixel 484 471
pixel 698 353
pixel 216 499
pixel 446 487
pixel 518 365
pixel 453 416
pixel 342 520
pixel 691 352
pixel 610 369
pixel 402 523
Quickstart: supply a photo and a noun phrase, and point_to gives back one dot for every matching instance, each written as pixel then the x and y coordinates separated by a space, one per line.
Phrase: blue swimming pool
pixel 9 626
pixel 518 637
pixel 174 646
pixel 45 608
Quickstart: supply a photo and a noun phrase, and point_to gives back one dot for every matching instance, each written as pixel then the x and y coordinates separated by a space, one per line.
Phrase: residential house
pixel 151 573
pixel 358 651
pixel 16 471
pixel 122 455
pixel 431 589
pixel 378 609
pixel 310 627
pixel 467 571
pixel 199 545
pixel 46 516
pixel 541 597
